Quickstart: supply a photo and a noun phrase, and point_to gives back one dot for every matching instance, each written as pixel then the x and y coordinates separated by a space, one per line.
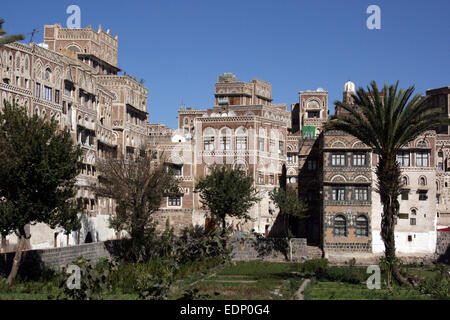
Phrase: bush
pixel 343 274
pixel 152 287
pixel 438 286
pixel 94 279
pixel 127 274
pixel 196 243
pixel 314 267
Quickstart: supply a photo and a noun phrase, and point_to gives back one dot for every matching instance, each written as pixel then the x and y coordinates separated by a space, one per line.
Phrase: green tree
pixel 227 192
pixel 10 38
pixel 290 205
pixel 386 122
pixel 138 185
pixel 39 167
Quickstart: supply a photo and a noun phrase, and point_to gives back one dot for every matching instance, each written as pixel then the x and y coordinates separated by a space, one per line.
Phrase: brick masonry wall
pixel 443 246
pixel 272 249
pixel 56 258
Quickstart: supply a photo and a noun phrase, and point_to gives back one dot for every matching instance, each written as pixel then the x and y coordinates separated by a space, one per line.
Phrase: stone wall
pixel 443 246
pixel 271 249
pixel 56 258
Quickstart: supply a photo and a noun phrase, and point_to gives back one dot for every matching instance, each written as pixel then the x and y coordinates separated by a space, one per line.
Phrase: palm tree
pixel 10 38
pixel 386 122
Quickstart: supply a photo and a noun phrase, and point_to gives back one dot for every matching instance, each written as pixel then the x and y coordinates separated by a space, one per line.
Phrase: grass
pixel 344 291
pixel 248 281
pixel 255 280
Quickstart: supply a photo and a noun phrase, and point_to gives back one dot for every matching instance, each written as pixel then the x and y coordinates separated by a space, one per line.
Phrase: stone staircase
pixel 314 252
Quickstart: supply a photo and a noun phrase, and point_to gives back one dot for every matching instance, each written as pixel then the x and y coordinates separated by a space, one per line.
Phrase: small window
pixel 174 201
pixel 423 196
pixel 313 114
pixel 241 143
pixel 412 221
pixel 260 179
pixel 359 159
pixel 405 194
pixel 225 143
pixel 177 170
pixel 405 181
pixel 290 158
pixel 281 147
pixel 338 193
pixel 338 159
pixel 340 226
pixel 422 159
pixel 38 90
pixel 361 193
pixel 422 181
pixel 362 226
pixel 403 158
pixel 208 143
pixel 47 93
pixel 261 144
pixel 422 144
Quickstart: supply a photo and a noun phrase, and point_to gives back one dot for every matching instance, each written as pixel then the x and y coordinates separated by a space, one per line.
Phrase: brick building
pixel 73 77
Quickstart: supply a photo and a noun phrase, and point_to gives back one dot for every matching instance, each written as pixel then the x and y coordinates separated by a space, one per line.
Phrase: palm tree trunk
pixel 388 173
pixel 17 259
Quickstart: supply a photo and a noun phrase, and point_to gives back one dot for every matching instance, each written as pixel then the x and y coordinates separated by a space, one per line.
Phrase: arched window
pixel 48 74
pixel 422 181
pixel 362 226
pixel 208 139
pixel 225 138
pixel 340 226
pixel 405 180
pixel 422 144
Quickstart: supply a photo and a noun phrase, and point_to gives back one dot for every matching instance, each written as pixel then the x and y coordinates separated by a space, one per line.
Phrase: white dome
pixel 349 87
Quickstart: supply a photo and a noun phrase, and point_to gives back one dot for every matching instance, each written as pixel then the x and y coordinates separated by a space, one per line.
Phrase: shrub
pixel 196 243
pixel 151 287
pixel 438 286
pixel 94 280
pixel 314 267
pixel 343 274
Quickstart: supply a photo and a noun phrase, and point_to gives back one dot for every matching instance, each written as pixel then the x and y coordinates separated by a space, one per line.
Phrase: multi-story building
pixel 72 77
pixel 351 206
pixel 441 97
pixel 242 129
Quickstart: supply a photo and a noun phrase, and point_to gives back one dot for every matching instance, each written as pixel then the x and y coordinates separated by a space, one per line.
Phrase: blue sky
pixel 180 47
